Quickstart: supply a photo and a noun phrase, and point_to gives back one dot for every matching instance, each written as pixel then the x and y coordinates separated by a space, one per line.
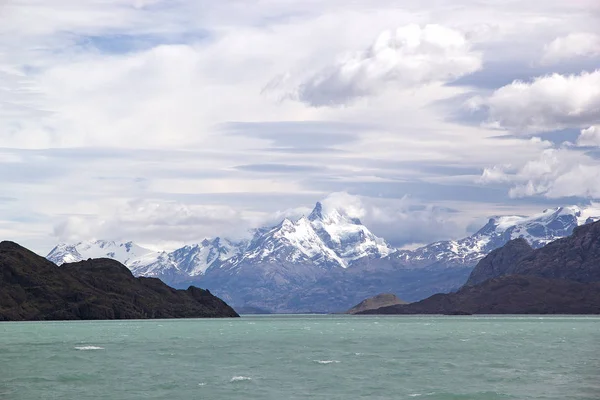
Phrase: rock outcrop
pixel 33 288
pixel 375 302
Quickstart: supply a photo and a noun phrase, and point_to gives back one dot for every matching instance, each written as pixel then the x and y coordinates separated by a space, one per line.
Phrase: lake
pixel 304 357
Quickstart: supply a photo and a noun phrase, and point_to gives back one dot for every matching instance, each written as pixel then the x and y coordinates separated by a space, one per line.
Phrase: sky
pixel 167 121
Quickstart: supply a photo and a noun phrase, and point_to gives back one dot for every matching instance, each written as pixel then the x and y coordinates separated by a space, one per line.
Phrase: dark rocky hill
pixel 33 288
pixel 512 294
pixel 562 277
pixel 500 262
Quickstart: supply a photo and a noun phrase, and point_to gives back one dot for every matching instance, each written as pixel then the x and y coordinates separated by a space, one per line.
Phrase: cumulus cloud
pixel 556 173
pixel 589 136
pixel 401 222
pixel 547 103
pixel 352 205
pixel 495 174
pixel 579 44
pixel 406 57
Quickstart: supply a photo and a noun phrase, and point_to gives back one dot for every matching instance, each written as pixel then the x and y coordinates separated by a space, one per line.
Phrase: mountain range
pixel 326 261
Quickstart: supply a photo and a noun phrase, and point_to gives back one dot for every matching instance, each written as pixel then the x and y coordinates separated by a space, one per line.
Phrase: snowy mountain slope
pixel 327 239
pixel 293 242
pixel 161 267
pixel 188 261
pixel 194 260
pixel 127 253
pixel 539 230
pixel 347 236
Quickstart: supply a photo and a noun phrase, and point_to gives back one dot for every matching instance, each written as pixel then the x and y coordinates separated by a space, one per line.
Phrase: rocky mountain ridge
pixel 329 261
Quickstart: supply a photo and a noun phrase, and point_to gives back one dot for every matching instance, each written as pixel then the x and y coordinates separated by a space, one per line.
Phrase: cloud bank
pixel 557 173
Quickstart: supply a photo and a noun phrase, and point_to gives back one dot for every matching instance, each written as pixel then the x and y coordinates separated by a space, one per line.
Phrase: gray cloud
pixel 425 191
pixel 279 168
pixel 496 74
pixel 299 135
pixel 303 150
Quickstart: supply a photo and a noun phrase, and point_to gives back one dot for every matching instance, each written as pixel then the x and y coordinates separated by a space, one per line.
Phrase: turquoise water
pixel 302 357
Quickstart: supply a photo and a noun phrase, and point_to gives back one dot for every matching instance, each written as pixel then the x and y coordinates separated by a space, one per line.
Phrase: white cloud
pixel 556 173
pixel 399 221
pixel 352 205
pixel 495 174
pixel 161 224
pixel 578 44
pixel 547 103
pixel 589 136
pixel 404 58
pixel 156 222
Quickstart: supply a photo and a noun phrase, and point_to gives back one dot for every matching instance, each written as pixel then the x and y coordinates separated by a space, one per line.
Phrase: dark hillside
pixel 32 288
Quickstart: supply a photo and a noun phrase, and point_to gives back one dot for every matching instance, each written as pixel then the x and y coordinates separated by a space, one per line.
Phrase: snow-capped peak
pixel 188 261
pixel 504 223
pixel 127 253
pixel 542 228
pixel 328 239
pixel 538 229
pixel 290 242
pixel 346 235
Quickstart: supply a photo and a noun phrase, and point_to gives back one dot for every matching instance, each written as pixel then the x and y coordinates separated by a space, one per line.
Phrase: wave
pixel 327 361
pixel 240 379
pixel 88 348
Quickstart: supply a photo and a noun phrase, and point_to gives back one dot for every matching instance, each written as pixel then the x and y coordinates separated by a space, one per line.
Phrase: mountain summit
pixel 347 236
pixel 327 239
